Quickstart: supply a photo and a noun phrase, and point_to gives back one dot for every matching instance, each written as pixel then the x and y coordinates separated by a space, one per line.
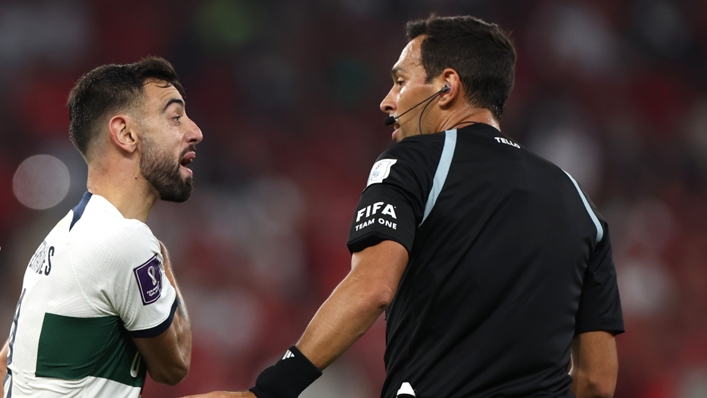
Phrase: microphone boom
pixel 390 120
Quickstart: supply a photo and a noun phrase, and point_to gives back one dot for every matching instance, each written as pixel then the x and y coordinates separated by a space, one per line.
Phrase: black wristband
pixel 287 378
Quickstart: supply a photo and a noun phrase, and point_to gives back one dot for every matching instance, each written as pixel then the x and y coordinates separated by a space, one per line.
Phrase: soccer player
pixel 99 305
pixel 494 266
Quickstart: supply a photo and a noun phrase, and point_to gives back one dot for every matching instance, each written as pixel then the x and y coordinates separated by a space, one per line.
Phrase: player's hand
pixel 164 251
pixel 224 394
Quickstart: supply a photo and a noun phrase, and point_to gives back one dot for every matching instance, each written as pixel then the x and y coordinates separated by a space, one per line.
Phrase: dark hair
pixel 111 88
pixel 481 53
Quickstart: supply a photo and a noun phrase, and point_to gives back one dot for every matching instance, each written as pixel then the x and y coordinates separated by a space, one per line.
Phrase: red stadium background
pixel 287 96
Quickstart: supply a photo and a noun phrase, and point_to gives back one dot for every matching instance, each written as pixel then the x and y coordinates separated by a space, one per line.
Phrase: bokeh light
pixel 41 182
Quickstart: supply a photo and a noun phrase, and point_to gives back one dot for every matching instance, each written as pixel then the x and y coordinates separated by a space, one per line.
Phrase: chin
pixel 177 191
pixel 179 197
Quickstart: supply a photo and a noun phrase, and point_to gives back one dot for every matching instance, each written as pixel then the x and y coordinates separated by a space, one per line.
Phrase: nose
pixel 388 104
pixel 194 135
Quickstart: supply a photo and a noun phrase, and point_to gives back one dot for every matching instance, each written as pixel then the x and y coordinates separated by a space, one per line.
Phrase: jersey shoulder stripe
pixel 595 219
pixel 445 162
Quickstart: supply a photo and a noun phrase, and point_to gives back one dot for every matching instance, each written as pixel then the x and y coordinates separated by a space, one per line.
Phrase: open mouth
pixel 187 159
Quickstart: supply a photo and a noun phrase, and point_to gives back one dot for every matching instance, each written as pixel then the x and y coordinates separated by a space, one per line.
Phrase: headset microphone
pixel 390 120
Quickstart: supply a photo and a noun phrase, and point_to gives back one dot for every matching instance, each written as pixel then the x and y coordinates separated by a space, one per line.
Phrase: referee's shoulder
pixel 417 145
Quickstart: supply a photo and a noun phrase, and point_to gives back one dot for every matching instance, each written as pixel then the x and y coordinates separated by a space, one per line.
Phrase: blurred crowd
pixel 287 94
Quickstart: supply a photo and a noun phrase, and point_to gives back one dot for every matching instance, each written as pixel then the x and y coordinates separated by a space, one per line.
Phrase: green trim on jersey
pixel 73 348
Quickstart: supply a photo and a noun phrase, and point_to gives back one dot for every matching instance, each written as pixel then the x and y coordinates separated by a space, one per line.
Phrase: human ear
pixel 449 78
pixel 122 133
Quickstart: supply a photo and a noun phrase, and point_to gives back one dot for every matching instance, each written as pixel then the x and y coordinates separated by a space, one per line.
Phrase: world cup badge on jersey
pixel 149 280
pixel 380 171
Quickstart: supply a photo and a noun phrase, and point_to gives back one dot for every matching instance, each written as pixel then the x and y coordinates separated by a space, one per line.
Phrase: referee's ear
pixel 455 95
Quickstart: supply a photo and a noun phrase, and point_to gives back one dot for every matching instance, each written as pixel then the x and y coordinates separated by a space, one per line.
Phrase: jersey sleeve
pixel 147 301
pixel 392 204
pixel 127 278
pixel 599 303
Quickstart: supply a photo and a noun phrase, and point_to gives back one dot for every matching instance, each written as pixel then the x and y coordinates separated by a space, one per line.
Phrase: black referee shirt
pixel 509 260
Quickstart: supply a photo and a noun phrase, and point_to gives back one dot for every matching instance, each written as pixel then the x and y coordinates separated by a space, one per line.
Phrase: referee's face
pixel 409 88
pixel 168 142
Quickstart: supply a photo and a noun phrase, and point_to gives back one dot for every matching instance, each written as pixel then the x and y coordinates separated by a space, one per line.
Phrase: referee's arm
pixel 345 316
pixel 356 302
pixel 595 365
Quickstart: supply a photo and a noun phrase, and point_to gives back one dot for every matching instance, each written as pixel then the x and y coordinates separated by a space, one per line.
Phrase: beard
pixel 164 175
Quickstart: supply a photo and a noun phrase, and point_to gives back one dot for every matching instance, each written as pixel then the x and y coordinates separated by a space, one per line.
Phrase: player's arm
pixel 595 365
pixel 168 355
pixel 3 364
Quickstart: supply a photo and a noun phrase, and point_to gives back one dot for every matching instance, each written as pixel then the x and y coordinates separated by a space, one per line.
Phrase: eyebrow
pixel 395 70
pixel 173 101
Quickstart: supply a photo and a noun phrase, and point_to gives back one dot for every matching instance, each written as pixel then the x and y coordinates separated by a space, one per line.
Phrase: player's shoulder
pixel 99 230
pixel 98 218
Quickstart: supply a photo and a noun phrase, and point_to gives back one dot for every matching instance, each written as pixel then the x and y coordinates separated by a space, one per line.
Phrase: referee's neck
pixel 464 115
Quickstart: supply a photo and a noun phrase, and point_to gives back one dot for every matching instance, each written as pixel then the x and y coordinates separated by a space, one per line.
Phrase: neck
pixel 122 184
pixel 462 117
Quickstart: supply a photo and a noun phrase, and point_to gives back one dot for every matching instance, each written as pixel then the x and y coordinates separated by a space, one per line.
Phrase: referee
pixel 493 265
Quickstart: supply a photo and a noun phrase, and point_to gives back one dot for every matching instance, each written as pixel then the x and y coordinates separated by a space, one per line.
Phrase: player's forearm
pixel 181 318
pixel 185 322
pixel 184 338
pixel 170 276
pixel 168 356
pixel 3 356
pixel 174 371
pixel 181 325
pixel 344 317
pixel 3 364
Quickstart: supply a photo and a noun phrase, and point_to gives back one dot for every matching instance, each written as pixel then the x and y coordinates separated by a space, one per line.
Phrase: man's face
pixel 409 88
pixel 168 142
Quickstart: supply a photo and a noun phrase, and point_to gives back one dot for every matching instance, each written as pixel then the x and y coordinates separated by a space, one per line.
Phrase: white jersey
pixel 95 282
